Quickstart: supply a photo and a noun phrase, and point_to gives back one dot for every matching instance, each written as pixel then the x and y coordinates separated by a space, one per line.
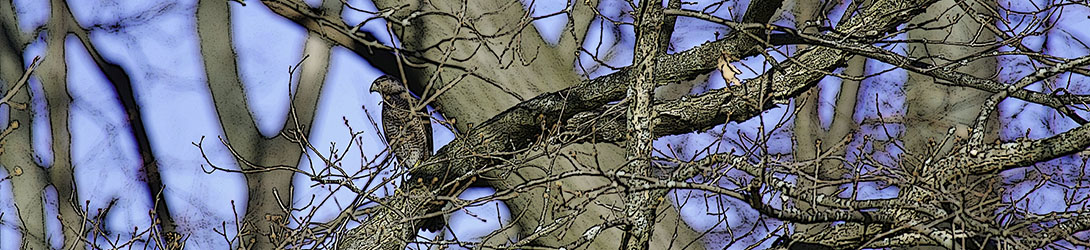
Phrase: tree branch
pixel 640 206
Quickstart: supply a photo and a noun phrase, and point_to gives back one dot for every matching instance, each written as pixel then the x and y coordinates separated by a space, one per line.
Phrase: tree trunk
pixel 265 219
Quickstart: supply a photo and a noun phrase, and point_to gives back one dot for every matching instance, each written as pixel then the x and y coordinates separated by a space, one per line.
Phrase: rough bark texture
pixel 549 141
pixel 517 126
pixel 640 207
pixel 380 232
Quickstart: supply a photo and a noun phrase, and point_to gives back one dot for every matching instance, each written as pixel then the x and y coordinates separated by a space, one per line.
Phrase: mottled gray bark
pixel 547 140
pixel 641 207
pixel 499 140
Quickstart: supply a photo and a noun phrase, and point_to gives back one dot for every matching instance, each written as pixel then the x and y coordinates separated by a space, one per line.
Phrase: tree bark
pixel 17 156
pixel 640 207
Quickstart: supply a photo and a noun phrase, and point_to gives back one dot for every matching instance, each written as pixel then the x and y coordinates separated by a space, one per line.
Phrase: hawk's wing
pixel 409 134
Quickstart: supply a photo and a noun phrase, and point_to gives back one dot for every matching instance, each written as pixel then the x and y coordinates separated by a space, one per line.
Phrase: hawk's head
pixel 387 86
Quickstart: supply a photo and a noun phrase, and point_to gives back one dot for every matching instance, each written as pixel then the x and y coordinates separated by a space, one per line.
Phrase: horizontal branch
pixel 947 73
pixel 518 126
pixel 1023 152
pixel 777 86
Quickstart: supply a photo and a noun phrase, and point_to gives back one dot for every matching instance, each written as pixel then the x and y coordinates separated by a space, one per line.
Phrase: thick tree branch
pixel 27 179
pixel 640 206
pixel 954 78
pixel 518 126
pixel 54 78
pixel 777 86
pixel 330 26
pixel 1020 153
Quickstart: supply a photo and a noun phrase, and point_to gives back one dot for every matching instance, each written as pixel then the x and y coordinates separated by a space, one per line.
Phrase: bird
pixel 407 131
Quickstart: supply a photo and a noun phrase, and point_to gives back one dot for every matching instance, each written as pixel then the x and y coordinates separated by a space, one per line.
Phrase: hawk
pixel 407 131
